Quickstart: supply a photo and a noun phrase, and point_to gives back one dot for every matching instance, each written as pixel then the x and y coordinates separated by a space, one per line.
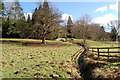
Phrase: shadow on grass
pixel 111 60
pixel 87 66
pixel 35 44
pixel 10 41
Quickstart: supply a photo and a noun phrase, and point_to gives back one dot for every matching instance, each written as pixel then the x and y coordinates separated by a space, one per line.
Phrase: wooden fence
pixel 98 51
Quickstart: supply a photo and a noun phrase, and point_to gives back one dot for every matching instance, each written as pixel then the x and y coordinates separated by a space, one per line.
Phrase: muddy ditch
pixel 92 68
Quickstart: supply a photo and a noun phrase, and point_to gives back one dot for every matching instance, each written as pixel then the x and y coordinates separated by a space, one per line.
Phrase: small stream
pixel 84 69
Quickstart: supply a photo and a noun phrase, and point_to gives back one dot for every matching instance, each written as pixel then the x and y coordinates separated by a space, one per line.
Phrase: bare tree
pixel 84 21
pixel 44 21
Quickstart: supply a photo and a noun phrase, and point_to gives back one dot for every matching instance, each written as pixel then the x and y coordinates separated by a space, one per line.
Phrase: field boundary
pixel 105 48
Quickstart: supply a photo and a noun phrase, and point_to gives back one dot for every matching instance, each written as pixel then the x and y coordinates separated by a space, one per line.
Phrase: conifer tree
pixel 5 27
pixel 70 27
pixel 17 19
pixel 34 16
pixel 113 34
pixel 28 19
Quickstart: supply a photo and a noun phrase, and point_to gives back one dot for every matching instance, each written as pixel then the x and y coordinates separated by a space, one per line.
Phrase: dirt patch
pixel 43 45
pixel 36 44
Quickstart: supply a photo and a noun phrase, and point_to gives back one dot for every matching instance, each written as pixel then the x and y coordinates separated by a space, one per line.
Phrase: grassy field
pixel 21 61
pixel 35 61
pixel 99 43
pixel 102 44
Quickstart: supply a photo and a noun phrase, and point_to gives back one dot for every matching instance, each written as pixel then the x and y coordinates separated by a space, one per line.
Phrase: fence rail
pixel 105 48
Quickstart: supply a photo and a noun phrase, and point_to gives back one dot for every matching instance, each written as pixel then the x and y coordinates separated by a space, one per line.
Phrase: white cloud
pixel 114 6
pixel 26 15
pixel 65 16
pixel 103 20
pixel 102 9
pixel 110 7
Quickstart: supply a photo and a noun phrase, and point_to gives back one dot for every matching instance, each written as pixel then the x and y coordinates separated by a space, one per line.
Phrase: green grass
pixel 99 44
pixel 108 71
pixel 17 57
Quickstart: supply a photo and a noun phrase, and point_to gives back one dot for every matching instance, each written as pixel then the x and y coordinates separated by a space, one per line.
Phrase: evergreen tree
pixel 34 16
pixel 28 19
pixel 2 16
pixel 18 20
pixel 5 27
pixel 113 34
pixel 70 27
pixel 114 29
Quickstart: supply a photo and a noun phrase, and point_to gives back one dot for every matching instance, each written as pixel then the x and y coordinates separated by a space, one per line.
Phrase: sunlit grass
pixel 17 57
pixel 92 43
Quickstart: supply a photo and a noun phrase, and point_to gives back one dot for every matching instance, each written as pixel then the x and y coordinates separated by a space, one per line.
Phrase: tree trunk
pixel 43 40
pixel 84 39
pixel 117 38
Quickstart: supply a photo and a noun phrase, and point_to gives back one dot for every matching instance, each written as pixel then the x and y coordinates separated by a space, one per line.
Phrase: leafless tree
pixel 84 21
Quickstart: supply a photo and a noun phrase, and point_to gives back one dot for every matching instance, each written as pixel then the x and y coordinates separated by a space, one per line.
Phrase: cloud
pixel 26 15
pixel 65 16
pixel 102 9
pixel 114 6
pixel 109 7
pixel 103 20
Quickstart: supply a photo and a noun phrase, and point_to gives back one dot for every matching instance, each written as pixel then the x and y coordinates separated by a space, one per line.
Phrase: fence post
pixel 98 52
pixel 92 50
pixel 108 52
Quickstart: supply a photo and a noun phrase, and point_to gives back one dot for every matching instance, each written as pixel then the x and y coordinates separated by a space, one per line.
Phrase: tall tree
pixel 70 27
pixel 115 25
pixel 5 28
pixel 10 9
pixel 34 16
pixel 16 18
pixel 2 15
pixel 17 10
pixel 84 21
pixel 29 19
pixel 113 34
pixel 102 34
pixel 44 21
pixel 2 9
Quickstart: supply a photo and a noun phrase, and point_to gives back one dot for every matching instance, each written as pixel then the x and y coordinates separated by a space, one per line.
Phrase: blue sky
pixel 101 12
pixel 78 9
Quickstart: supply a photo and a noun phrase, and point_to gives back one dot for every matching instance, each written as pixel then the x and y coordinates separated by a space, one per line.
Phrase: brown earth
pixel 43 45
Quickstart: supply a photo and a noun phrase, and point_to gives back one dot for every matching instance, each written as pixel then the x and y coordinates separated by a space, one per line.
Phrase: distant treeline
pixel 46 23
